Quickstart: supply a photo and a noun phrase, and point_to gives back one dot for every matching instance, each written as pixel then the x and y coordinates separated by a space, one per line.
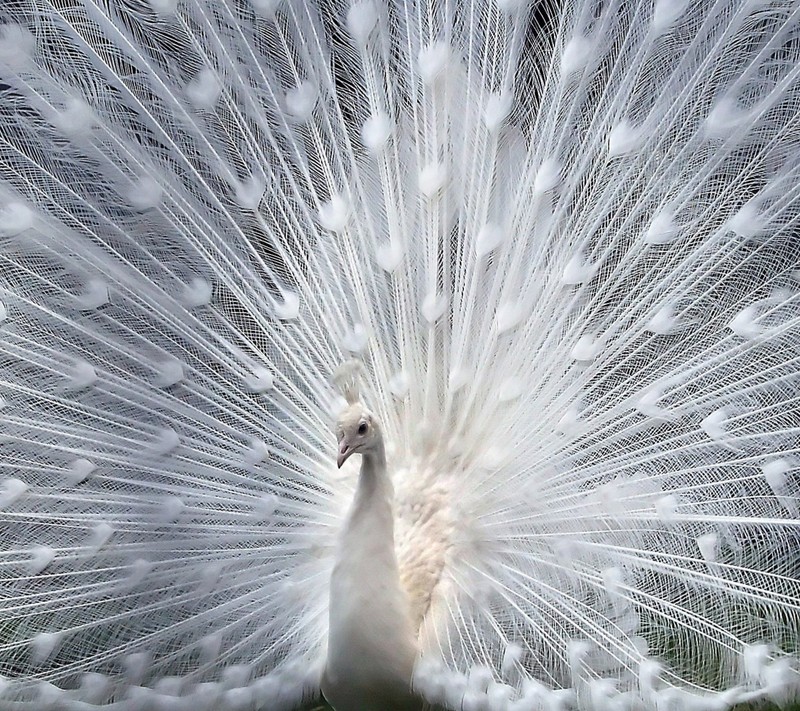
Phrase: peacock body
pixel 562 239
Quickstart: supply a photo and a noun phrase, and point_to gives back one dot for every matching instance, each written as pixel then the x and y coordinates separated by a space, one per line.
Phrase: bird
pixel 371 638
pixel 405 354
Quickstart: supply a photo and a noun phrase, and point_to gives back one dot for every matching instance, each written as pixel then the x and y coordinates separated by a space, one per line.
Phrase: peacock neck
pixel 371 516
pixel 374 483
pixel 371 644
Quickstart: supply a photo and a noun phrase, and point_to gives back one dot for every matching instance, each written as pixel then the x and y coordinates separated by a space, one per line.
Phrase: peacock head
pixel 357 432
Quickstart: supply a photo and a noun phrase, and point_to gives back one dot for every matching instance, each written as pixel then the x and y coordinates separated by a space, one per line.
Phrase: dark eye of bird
pixel 362 428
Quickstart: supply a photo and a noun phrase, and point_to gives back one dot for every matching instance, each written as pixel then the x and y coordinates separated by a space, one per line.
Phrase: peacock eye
pixel 362 428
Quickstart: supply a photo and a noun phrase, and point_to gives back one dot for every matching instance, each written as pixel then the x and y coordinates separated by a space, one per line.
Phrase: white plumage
pixel 563 240
pixel 372 643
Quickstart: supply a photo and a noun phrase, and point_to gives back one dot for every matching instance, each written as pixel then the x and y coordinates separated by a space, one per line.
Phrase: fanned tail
pixel 561 238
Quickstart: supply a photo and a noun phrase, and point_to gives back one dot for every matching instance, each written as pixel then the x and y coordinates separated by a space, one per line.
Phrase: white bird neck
pixel 367 539
pixel 371 644
pixel 374 485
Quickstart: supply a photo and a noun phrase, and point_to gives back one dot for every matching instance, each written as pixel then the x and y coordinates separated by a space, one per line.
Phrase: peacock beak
pixel 345 450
